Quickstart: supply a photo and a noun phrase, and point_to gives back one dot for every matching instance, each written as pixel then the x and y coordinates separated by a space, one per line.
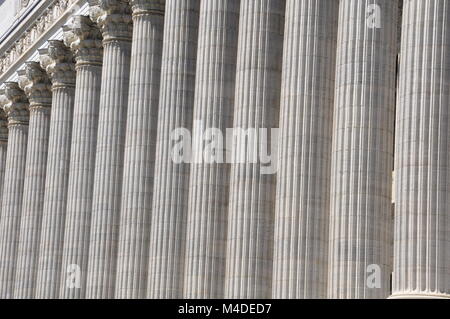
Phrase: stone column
pixel 84 39
pixel 208 187
pixel 57 60
pixel 37 87
pixel 116 27
pixel 422 173
pixel 252 186
pixel 306 121
pixel 16 110
pixel 170 197
pixel 140 144
pixel 362 156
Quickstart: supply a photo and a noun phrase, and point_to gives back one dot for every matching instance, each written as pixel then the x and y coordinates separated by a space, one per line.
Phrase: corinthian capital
pixel 84 38
pixel 94 10
pixel 143 7
pixel 115 20
pixel 3 127
pixel 36 85
pixel 3 119
pixel 15 104
pixel 58 61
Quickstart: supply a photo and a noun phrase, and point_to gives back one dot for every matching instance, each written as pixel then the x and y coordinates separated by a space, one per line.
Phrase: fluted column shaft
pixel 252 192
pixel 115 22
pixel 3 150
pixel 38 89
pixel 422 173
pixel 85 41
pixel 140 145
pixel 59 64
pixel 208 187
pixel 303 181
pixel 363 150
pixel 169 209
pixel 17 113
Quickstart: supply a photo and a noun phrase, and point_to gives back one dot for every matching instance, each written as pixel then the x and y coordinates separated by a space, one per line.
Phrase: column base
pixel 419 295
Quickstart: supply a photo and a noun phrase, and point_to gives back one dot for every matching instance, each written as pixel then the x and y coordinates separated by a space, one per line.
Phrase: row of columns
pixel 93 205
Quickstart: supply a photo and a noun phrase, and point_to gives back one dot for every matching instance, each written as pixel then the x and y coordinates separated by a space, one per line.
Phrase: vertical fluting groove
pixel 363 149
pixel 252 193
pixel 208 187
pixel 33 201
pixel 81 178
pixel 140 146
pixel 422 225
pixel 116 28
pixel 3 150
pixel 303 181
pixel 170 196
pixel 55 198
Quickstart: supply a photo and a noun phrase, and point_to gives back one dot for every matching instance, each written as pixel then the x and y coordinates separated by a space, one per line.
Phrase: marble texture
pixel 3 144
pixel 208 186
pixel 252 194
pixel 303 182
pixel 94 202
pixel 422 226
pixel 140 146
pixel 58 61
pixel 170 197
pixel 37 87
pixel 362 151
pixel 115 24
pixel 17 113
pixel 84 39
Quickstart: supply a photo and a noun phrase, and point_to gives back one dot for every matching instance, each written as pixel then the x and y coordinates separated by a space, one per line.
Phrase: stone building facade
pixel 354 94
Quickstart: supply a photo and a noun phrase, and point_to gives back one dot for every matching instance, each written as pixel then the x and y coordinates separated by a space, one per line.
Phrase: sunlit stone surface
pixel 101 197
